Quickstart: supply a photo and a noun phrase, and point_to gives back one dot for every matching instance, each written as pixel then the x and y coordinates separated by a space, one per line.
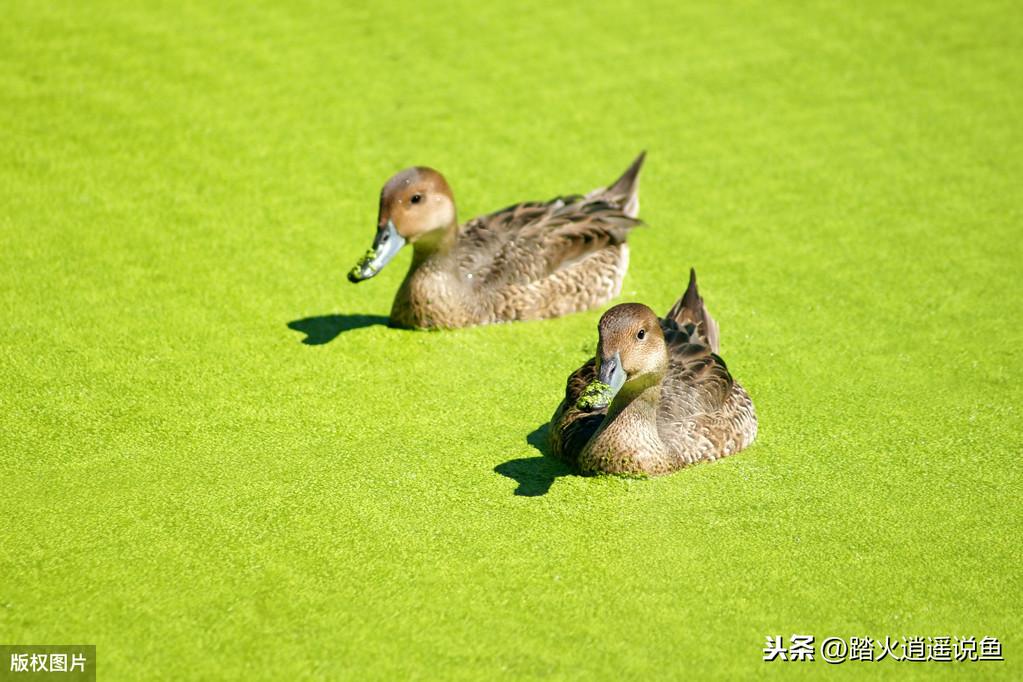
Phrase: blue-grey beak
pixel 600 392
pixel 385 247
pixel 611 373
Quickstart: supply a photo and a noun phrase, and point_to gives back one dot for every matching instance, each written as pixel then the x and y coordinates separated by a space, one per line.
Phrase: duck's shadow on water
pixel 325 328
pixel 535 475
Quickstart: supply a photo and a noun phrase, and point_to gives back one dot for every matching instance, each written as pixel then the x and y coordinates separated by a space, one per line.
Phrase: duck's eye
pixel 641 334
pixel 416 198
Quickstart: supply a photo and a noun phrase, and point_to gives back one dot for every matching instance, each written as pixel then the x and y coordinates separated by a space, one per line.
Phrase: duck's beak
pixel 601 391
pixel 385 247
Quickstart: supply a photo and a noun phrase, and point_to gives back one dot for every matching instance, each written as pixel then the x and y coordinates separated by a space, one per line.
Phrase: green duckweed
pixel 597 394
pixel 364 263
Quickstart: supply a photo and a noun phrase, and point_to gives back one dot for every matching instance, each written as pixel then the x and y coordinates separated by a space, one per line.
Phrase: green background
pixel 188 485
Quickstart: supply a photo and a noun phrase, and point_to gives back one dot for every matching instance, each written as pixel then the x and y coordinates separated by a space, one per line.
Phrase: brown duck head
pixel 416 207
pixel 631 346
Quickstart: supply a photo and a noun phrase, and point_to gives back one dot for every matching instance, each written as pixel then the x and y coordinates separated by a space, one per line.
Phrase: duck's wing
pixel 528 242
pixel 484 237
pixel 696 383
pixel 571 428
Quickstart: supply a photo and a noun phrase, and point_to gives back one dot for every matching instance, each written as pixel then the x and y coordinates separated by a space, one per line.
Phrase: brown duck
pixel 529 261
pixel 656 397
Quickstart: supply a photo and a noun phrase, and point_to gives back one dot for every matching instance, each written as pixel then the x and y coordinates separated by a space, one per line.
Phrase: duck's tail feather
pixel 691 311
pixel 625 190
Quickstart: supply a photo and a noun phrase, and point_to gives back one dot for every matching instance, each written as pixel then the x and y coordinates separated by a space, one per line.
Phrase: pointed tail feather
pixel 625 190
pixel 690 310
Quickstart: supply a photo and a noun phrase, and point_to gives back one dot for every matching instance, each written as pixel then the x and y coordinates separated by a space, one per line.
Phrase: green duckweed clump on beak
pixel 597 394
pixel 363 264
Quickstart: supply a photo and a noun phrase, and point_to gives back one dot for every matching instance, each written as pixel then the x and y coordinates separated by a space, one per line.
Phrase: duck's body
pixel 529 261
pixel 678 405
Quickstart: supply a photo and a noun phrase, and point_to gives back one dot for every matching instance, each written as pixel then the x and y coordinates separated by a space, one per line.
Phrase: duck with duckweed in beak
pixel 528 261
pixel 656 397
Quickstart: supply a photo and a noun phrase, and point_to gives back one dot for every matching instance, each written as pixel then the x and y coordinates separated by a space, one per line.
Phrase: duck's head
pixel 416 207
pixel 631 347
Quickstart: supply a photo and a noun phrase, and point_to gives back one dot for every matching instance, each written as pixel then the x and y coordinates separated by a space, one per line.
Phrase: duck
pixel 531 260
pixel 656 397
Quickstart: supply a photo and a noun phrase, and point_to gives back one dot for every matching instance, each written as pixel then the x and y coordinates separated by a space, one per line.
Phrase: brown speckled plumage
pixel 529 261
pixel 682 407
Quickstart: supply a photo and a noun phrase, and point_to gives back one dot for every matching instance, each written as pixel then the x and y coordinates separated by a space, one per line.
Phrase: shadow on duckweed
pixel 325 328
pixel 535 475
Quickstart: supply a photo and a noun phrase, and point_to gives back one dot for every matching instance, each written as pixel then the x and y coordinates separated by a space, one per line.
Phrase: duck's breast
pixel 432 297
